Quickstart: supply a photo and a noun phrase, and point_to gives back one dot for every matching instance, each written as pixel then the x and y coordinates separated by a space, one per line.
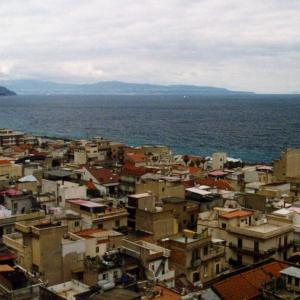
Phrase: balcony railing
pixel 252 252
pixel 214 252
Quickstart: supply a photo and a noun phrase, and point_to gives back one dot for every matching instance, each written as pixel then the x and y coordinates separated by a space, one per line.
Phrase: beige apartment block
pixel 161 186
pixel 159 223
pixel 194 255
pixel 153 258
pixel 38 247
pixel 98 215
pixel 252 237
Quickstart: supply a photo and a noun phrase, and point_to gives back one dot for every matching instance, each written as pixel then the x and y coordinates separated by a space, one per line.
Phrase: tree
pixel 186 159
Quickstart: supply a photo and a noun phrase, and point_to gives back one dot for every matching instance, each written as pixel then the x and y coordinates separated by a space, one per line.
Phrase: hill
pixel 37 87
pixel 6 92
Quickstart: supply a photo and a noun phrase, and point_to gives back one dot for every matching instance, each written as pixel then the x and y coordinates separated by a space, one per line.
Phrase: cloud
pixel 246 45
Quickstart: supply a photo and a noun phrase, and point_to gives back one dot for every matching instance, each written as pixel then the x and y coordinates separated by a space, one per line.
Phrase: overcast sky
pixel 238 44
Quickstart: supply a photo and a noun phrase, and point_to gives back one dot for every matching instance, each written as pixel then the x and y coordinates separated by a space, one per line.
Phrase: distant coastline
pixel 6 92
pixel 37 87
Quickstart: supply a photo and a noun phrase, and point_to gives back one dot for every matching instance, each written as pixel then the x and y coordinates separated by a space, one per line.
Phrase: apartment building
pixel 38 247
pixel 16 283
pixel 185 212
pixel 96 215
pixel 194 255
pixel 161 186
pixel 9 137
pixel 154 260
pixel 251 236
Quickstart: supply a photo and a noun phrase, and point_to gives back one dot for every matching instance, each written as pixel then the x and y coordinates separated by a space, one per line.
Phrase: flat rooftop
pixel 85 203
pixel 264 228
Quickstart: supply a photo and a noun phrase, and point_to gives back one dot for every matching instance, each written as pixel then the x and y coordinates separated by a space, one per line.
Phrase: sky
pixel 251 45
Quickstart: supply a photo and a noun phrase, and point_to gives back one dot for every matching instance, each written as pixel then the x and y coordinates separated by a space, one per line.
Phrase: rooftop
pixel 85 203
pixel 247 285
pixel 198 191
pixel 291 271
pixel 237 214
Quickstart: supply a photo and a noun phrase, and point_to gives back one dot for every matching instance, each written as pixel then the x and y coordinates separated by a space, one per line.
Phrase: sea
pixel 255 128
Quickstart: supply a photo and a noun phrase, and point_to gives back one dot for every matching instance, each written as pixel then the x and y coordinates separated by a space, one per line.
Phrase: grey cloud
pixel 252 45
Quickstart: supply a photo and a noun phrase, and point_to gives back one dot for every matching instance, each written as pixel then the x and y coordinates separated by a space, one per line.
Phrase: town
pixel 96 219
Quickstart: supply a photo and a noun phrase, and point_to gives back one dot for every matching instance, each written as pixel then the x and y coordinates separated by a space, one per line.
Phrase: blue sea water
pixel 255 128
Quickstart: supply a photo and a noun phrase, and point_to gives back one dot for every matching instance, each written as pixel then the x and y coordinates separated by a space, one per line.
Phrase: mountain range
pixel 38 87
pixel 6 92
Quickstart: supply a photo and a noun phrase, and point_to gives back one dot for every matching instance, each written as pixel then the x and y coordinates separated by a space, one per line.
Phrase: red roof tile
pixel 90 185
pixel 103 175
pixel 219 184
pixel 193 170
pixel 247 285
pixel 237 214
pixel 131 170
pixel 135 157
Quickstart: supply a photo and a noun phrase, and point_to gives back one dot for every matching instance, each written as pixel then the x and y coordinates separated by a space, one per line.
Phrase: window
pixel 100 225
pixel 184 208
pixel 15 205
pixel 296 281
pixel 217 268
pixel 289 280
pixel 224 226
pixel 240 243
pixel 195 254
pixel 116 275
pixel 105 276
pixel 117 223
pixel 256 246
pixel 196 276
pixel 76 223
pixel 205 270
pixel 205 250
pixel 97 249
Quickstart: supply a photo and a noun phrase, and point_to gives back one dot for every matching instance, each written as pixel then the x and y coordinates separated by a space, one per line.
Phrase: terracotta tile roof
pixel 25 146
pixel 194 170
pixel 103 175
pixel 131 170
pixel 236 214
pixel 188 183
pixel 135 157
pixel 247 285
pixel 220 184
pixel 4 162
pixel 89 232
pixel 16 148
pixel 90 185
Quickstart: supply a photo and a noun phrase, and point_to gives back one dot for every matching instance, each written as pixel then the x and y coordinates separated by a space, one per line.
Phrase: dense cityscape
pixel 97 219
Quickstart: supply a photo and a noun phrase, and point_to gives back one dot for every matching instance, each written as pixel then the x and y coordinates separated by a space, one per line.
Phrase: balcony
pixel 261 254
pixel 196 262
pixel 286 246
pixel 14 241
pixel 170 275
pixel 214 252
